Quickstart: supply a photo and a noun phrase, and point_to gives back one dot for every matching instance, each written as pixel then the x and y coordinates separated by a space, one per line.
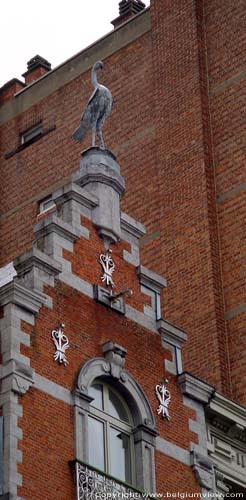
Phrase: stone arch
pixel 110 369
pixel 124 382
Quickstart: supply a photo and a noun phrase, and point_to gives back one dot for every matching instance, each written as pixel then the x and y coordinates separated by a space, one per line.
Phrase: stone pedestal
pixel 100 174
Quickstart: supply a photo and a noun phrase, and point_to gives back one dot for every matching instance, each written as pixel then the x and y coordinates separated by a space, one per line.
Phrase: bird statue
pixel 96 111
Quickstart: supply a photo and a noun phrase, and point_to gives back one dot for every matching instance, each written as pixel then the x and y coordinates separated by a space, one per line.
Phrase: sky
pixel 54 29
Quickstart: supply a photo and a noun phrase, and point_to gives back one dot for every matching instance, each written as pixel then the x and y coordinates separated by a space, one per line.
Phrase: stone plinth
pixel 100 174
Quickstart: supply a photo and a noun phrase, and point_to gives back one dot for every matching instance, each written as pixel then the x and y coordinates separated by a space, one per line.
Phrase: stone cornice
pixel 94 173
pixel 53 224
pixel 74 192
pixel 227 409
pixel 16 376
pixel 35 258
pixel 150 279
pixel 131 226
pixel 171 334
pixel 195 388
pixel 14 293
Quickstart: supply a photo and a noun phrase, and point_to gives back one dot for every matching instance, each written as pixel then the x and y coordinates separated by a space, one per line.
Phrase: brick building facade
pixel 165 207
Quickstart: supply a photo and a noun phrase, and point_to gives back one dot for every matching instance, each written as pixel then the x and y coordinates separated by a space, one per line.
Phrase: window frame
pixel 144 432
pixel 31 134
pixel 109 422
pixel 46 201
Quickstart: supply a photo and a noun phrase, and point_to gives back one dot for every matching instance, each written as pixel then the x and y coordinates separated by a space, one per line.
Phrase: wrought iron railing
pixel 95 485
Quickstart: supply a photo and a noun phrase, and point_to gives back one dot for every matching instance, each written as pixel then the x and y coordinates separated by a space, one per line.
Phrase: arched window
pixel 114 426
pixel 110 425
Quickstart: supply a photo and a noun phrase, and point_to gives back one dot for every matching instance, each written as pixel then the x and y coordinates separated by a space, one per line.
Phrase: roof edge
pixel 76 65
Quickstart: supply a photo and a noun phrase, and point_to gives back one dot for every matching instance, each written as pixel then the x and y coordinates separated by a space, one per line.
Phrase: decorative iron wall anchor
pixel 62 343
pixel 108 266
pixel 164 397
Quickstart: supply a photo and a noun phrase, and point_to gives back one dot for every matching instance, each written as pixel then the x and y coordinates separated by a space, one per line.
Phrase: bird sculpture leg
pixel 99 132
pixel 93 142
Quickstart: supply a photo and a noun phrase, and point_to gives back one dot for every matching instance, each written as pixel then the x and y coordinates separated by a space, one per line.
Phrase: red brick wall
pixel 188 224
pixel 226 58
pixel 48 424
pixel 48 446
pixel 188 146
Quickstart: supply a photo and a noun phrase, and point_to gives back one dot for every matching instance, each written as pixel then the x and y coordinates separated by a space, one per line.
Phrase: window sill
pixel 28 143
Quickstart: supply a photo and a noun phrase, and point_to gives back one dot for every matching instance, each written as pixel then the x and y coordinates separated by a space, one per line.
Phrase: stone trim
pixel 76 193
pixel 100 173
pixel 240 309
pixel 132 226
pixel 220 485
pixel 230 81
pixel 34 258
pixel 7 274
pixel 35 269
pixel 171 334
pixel 144 433
pixel 102 295
pixel 132 231
pixel 238 189
pixel 115 355
pixel 126 384
pixel 151 285
pixel 226 408
pixel 226 430
pixel 195 388
pixel 53 389
pixel 200 461
pixel 53 224
pixel 173 451
pixel 196 395
pixel 20 304
pixel 172 339
pixel 141 318
pixel 16 376
pixel 153 310
pixel 19 295
pixel 150 279
pixel 58 392
pixel 197 425
pixel 204 470
pixel 72 202
pixel 86 288
pixel 171 366
pixel 77 283
pixel 12 434
pixel 97 173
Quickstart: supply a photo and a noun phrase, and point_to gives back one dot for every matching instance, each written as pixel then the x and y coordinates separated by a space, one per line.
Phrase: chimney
pixel 128 9
pixel 9 89
pixel 36 67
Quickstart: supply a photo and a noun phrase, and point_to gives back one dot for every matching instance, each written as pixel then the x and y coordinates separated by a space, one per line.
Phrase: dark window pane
pixel 96 393
pixel 116 408
pixel 96 443
pixel 120 455
pixel 30 134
